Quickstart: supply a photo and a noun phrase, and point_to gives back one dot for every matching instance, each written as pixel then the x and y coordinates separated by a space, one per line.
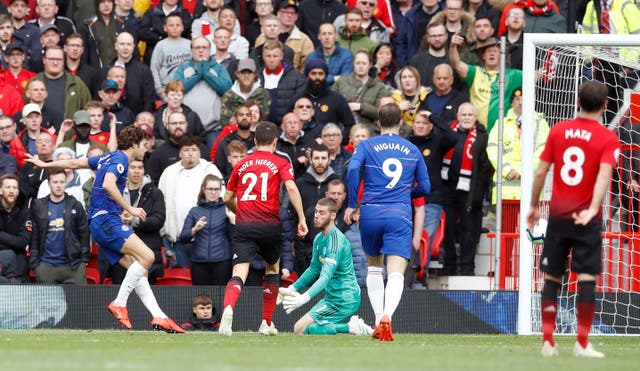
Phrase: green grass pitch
pixel 141 350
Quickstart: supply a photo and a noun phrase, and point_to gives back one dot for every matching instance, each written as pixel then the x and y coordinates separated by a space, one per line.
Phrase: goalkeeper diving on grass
pixel 331 269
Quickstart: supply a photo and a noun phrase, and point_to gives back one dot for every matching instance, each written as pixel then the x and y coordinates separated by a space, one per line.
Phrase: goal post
pixel 553 67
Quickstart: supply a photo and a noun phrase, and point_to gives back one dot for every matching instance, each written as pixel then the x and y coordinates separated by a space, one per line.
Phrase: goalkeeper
pixel 331 269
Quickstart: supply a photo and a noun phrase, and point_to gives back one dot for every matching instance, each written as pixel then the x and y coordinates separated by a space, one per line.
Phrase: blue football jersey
pixel 113 162
pixel 392 168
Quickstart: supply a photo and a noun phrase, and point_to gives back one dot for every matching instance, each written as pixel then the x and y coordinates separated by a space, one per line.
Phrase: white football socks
pixel 375 290
pixel 148 298
pixel 135 271
pixel 393 293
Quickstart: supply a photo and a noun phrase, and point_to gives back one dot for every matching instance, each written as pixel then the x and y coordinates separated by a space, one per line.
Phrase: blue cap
pixel 109 85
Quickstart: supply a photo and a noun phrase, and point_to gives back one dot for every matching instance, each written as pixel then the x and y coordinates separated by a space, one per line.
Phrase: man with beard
pixel 168 152
pixel 73 51
pixel 180 185
pixel 243 134
pixel 329 105
pixel 81 142
pixel 375 29
pixel 15 225
pixel 482 31
pixel 282 81
pixel 270 27
pixel 116 239
pixel 425 62
pixel 352 36
pixel 26 33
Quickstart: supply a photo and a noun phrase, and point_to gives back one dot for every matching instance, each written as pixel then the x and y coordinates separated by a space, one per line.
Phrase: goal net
pixel 554 66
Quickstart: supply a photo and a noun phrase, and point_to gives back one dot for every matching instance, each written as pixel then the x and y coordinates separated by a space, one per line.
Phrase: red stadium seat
pixel 175 277
pixel 438 237
pixel 93 276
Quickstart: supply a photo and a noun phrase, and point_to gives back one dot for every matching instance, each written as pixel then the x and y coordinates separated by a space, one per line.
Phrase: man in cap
pixel 48 12
pixel 25 141
pixel 483 80
pixel 329 105
pixel 81 125
pixel 109 94
pixel 205 82
pixel 291 34
pixel 26 33
pixel 246 88
pixel 16 75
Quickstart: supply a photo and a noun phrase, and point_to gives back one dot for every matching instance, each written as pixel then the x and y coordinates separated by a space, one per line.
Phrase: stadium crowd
pixel 199 76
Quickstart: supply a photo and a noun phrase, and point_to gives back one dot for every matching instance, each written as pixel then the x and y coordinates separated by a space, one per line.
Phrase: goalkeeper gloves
pixel 295 301
pixel 285 291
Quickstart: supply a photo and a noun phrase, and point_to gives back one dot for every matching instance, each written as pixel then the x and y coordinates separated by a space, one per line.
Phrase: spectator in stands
pixel 376 30
pixel 137 94
pixel 75 178
pixel 444 101
pixel 221 43
pixel 434 138
pixel 81 141
pixel 8 164
pixel 332 139
pixel 295 143
pixel 357 134
pixel 59 248
pixel 109 94
pixel 361 91
pixel 270 28
pixel 25 142
pixel 15 74
pixel 25 33
pixel 411 97
pixel 236 151
pixel 11 102
pixel 384 65
pixel 238 45
pixel 414 28
pixel 132 19
pixel 243 134
pixel 426 61
pixel 15 224
pixel 305 112
pixel 291 35
pixel 352 36
pixel 330 106
pixel 483 9
pixel 97 114
pixel 455 20
pixel 204 316
pixel 205 82
pixel 208 229
pixel 167 153
pixel 541 17
pixel 48 12
pixel 515 37
pixel 316 12
pixel 76 94
pixel 174 93
pixel 74 51
pixel 512 148
pixel 262 9
pixel 208 22
pixel 283 83
pixel 180 184
pixel 36 93
pixel 80 10
pixel 8 132
pixel 482 31
pixel 338 59
pixel 100 32
pixel 502 28
pixel 140 192
pixel 31 177
pixel 6 38
pixel 246 88
pixel 169 53
pixel 483 80
pixel 465 171
pixel 152 27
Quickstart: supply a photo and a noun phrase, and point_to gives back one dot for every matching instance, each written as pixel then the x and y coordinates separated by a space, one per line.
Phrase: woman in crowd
pixel 361 91
pixel 384 66
pixel 357 134
pixel 207 227
pixel 411 97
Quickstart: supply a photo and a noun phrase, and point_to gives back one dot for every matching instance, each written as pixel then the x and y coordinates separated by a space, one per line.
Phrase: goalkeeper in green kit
pixel 331 269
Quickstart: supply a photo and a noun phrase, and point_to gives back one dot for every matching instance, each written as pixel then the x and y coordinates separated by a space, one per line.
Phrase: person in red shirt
pixel 584 154
pixel 15 75
pixel 253 193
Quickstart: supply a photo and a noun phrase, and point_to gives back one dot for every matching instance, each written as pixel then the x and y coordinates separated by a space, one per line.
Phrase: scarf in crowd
pixel 466 165
pixel 531 8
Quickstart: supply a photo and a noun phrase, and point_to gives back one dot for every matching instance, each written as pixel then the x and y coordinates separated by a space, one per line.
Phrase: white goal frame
pixel 531 40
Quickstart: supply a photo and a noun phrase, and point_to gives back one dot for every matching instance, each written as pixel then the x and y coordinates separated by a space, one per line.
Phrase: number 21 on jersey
pixel 253 180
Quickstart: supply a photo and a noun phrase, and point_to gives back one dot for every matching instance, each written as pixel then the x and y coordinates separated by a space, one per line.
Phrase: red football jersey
pixel 576 148
pixel 256 180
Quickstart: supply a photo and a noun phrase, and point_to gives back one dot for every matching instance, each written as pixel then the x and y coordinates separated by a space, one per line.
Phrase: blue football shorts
pixel 110 234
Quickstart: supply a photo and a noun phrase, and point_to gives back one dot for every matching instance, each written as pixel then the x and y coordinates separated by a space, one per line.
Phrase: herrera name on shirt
pixel 258 162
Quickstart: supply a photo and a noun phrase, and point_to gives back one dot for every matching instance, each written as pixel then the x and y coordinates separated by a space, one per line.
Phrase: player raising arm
pixel 584 154
pixel 393 171
pixel 253 193
pixel 119 242
pixel 331 270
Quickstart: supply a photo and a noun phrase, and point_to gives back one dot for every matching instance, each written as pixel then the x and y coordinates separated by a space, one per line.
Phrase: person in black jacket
pixel 204 316
pixel 15 226
pixel 74 49
pixel 466 173
pixel 141 192
pixel 313 13
pixel 100 32
pixel 152 26
pixel 60 247
pixel 208 229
